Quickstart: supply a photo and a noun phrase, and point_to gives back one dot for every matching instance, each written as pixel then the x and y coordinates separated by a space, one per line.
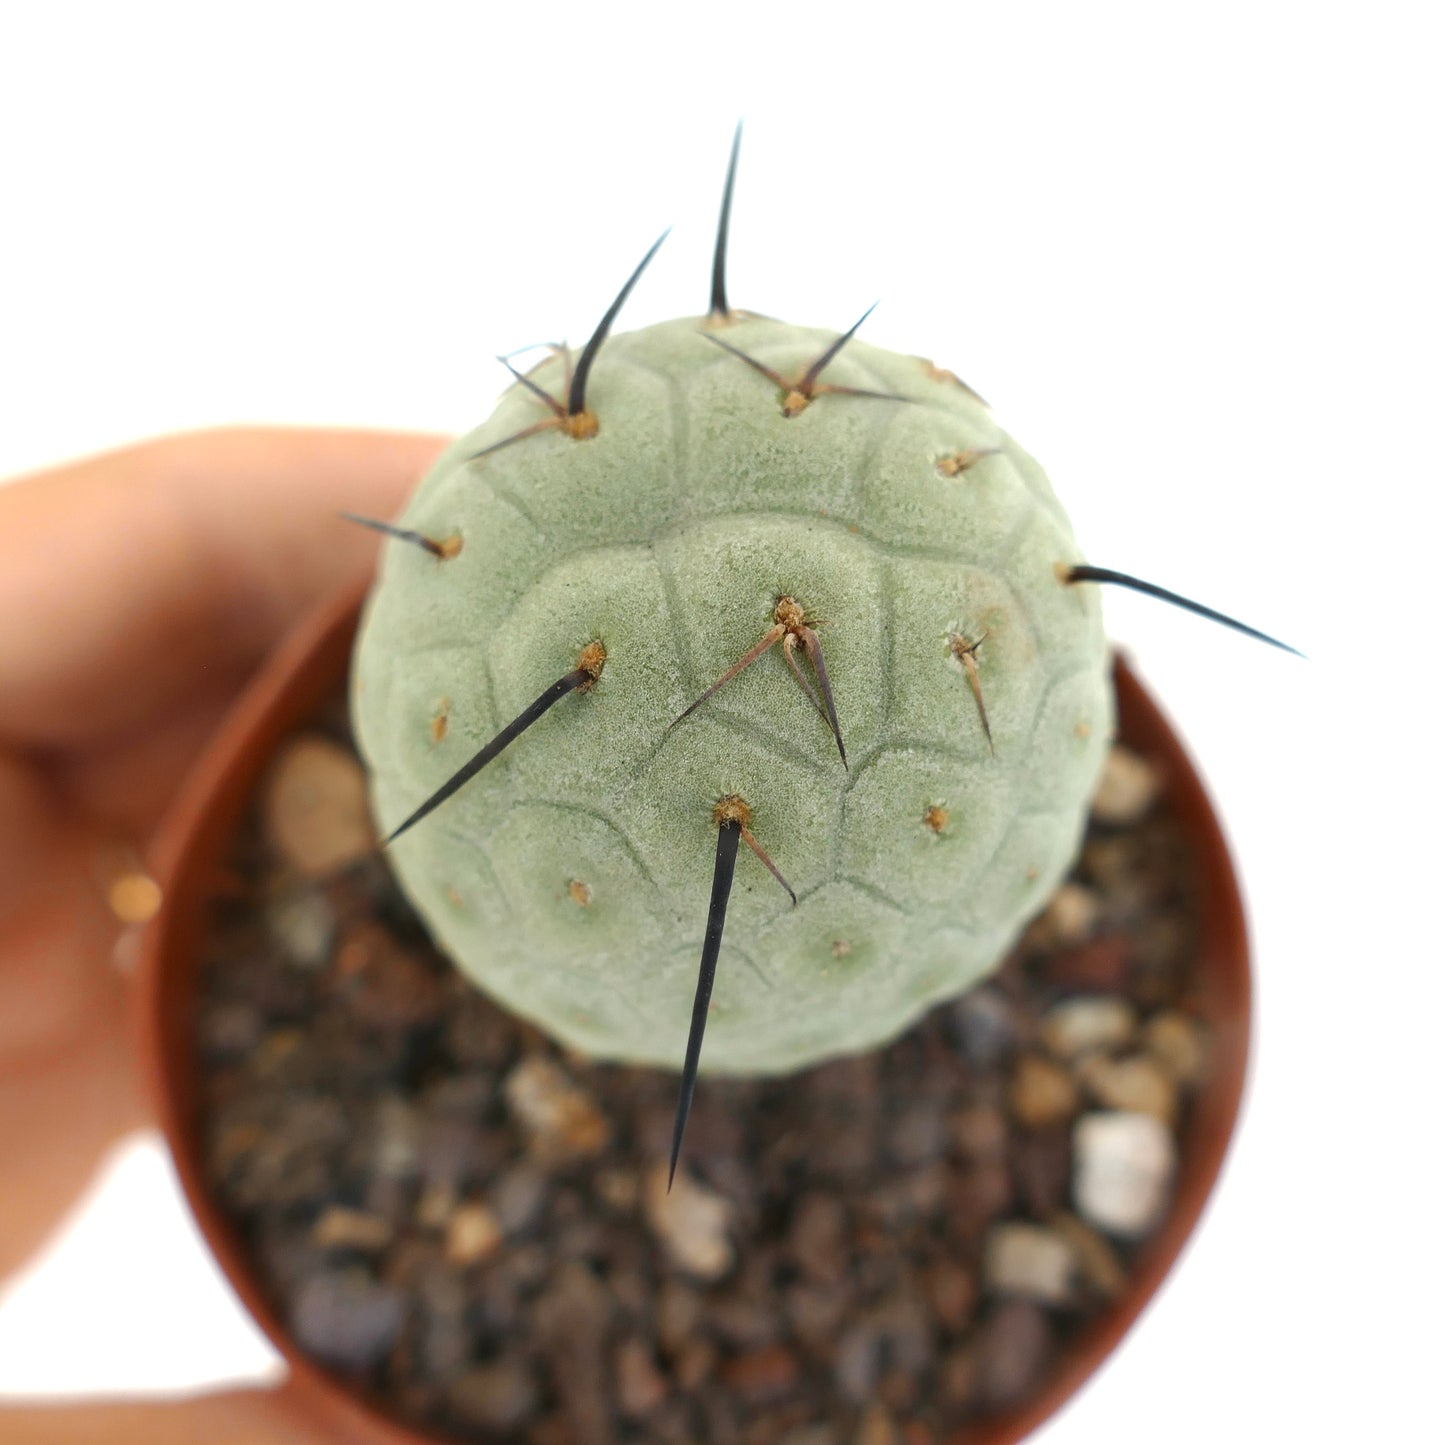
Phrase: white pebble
pixel 1070 916
pixel 314 804
pixel 1128 787
pixel 562 1118
pixel 692 1222
pixel 1028 1260
pixel 1123 1166
pixel 1081 1025
pixel 305 925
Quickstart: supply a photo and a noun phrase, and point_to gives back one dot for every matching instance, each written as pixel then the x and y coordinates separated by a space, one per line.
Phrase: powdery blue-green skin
pixel 668 537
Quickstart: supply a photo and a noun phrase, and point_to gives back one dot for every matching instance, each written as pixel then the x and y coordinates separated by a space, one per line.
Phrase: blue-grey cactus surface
pixel 719 489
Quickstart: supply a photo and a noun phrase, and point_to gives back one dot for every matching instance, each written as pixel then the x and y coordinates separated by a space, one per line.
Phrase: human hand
pixel 138 592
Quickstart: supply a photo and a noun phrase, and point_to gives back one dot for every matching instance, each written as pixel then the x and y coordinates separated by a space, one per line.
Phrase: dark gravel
pixel 469 1226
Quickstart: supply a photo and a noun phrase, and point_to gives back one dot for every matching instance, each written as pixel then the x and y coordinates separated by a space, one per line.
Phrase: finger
pixel 68 1079
pixel 60 1110
pixel 54 922
pixel 126 783
pixel 127 579
pixel 234 1417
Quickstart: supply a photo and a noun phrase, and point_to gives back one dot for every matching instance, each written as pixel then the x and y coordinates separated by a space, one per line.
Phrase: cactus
pixel 795 591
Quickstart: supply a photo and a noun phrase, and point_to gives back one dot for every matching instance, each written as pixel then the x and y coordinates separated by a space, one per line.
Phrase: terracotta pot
pixel 293 684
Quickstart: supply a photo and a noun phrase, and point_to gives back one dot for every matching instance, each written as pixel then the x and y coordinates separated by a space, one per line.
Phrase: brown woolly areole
pixel 591 660
pixel 961 461
pixel 580 426
pixel 731 809
pixel 790 613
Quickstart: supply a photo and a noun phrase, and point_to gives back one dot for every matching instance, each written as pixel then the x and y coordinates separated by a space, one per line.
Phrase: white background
pixel 1191 254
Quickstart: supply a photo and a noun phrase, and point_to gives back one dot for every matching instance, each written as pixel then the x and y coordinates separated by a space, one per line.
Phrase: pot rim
pixel 296 679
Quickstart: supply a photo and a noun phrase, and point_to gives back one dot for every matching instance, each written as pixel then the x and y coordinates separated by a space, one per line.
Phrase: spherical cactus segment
pixel 829 591
pixel 736 581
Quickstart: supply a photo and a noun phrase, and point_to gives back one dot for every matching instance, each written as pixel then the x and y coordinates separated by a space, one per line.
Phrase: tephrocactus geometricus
pixel 738 581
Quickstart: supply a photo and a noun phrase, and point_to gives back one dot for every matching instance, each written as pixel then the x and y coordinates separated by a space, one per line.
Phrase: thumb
pixel 130 578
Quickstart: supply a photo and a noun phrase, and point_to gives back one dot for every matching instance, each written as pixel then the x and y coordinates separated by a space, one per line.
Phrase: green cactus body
pixel 570 878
